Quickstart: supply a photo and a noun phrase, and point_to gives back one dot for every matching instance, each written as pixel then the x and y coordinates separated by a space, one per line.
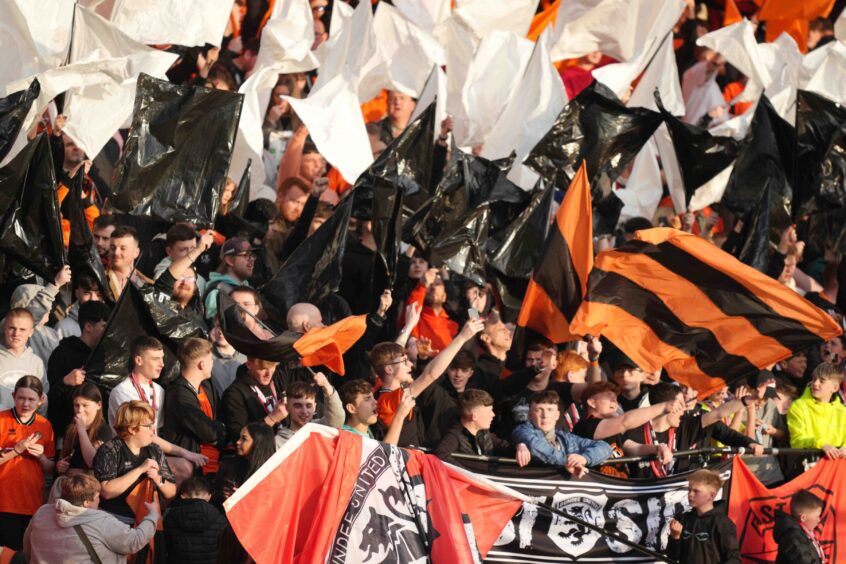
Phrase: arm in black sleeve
pixel 439 160
pixel 165 282
pixel 514 384
pixel 447 445
pixel 234 414
pixel 729 436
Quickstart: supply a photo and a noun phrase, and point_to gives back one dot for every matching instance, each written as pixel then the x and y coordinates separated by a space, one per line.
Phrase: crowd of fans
pixel 430 371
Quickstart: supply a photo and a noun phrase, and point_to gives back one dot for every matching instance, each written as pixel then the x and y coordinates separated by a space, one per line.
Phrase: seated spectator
pixel 191 405
pixel 602 422
pixel 301 399
pixel 86 433
pixel 814 420
pixel 65 368
pixel 131 461
pixel 56 532
pixel 435 323
pixel 473 434
pixel 360 407
pixel 255 395
pixel 704 534
pixel 255 444
pixel 686 431
pixel 86 290
pixel 192 525
pixel 16 357
pixel 26 440
pixel 796 533
pixel 538 438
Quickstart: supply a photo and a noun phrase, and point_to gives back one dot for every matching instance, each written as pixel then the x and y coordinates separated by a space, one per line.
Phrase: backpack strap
pixel 88 547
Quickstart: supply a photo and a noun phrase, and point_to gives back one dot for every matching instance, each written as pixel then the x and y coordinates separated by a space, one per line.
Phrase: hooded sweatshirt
pixel 814 424
pixel 794 544
pixel 51 537
pixel 710 538
pixel 12 368
pixel 191 530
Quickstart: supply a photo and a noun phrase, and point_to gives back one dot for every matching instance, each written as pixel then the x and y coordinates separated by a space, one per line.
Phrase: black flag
pixel 178 151
pixel 140 312
pixel 82 252
pixel 31 227
pixel 597 128
pixel 753 246
pixel 314 268
pixel 406 162
pixel 387 232
pixel 820 153
pixel 461 248
pixel 701 156
pixel 241 197
pixel 13 111
pixel 765 156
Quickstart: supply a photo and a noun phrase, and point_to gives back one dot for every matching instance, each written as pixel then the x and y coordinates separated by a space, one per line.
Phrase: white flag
pixel 662 74
pixel 182 22
pixel 642 192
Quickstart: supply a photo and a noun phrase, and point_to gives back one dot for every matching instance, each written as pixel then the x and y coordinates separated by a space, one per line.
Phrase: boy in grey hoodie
pixel 52 535
pixel 16 357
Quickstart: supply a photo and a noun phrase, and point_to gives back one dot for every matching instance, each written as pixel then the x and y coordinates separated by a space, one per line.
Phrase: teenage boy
pixel 16 357
pixel 704 535
pixel 539 438
pixel 602 423
pixel 360 407
pixel 814 421
pixel 473 434
pixel 302 403
pixel 795 533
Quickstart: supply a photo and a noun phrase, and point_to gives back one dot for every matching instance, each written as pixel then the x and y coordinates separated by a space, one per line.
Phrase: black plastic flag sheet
pixel 82 252
pixel 140 312
pixel 701 156
pixel 178 151
pixel 30 225
pixel 387 232
pixel 13 111
pixel 233 223
pixel 320 346
pixel 820 153
pixel 752 244
pixel 461 249
pixel 594 127
pixel 406 162
pixel 672 300
pixel 765 158
pixel 313 270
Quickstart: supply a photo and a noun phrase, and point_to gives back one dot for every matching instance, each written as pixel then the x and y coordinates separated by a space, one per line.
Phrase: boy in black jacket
pixel 794 533
pixel 473 434
pixel 192 525
pixel 705 535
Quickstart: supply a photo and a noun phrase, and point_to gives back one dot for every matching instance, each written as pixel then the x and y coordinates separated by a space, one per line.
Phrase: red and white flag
pixel 334 496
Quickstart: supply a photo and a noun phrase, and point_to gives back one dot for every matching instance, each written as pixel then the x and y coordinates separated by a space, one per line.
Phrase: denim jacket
pixel 596 452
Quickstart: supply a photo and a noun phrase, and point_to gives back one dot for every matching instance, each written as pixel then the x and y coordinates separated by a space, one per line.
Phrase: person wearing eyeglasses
pixel 237 260
pixel 705 534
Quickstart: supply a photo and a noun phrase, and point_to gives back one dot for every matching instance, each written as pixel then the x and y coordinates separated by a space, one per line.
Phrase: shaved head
pixel 302 317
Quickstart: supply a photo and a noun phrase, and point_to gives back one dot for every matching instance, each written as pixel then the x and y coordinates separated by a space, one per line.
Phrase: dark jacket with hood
pixel 710 538
pixel 192 528
pixel 71 354
pixel 458 440
pixel 794 545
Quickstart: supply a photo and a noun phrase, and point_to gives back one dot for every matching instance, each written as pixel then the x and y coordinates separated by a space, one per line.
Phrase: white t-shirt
pixel 125 391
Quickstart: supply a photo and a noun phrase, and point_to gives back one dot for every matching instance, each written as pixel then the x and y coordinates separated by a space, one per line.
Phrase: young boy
pixel 473 435
pixel 706 534
pixel 301 404
pixel 192 525
pixel 360 408
pixel 814 421
pixel 539 438
pixel 794 533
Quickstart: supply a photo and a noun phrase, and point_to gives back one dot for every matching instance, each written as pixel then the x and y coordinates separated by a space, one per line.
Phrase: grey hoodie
pixel 12 368
pixel 50 536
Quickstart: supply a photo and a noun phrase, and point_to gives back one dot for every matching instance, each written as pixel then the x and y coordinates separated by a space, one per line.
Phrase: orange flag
pixel 143 492
pixel 797 29
pixel 542 20
pixel 795 9
pixel 326 345
pixel 732 15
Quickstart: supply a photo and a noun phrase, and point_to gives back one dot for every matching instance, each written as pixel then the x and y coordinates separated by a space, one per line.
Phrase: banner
pixel 752 507
pixel 639 510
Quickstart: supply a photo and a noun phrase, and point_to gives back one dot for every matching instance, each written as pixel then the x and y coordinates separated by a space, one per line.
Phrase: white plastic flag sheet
pixel 182 22
pixel 619 76
pixel 95 112
pixel 617 28
pixel 351 54
pixel 405 54
pixel 425 14
pixel 701 92
pixel 662 74
pixel 829 76
pixel 494 77
pixel 285 48
pixel 334 121
pixel 34 36
pixel 840 27
pixel 670 165
pixel 484 16
pixel 433 91
pixel 341 14
pixel 712 191
pixel 531 111
pixel 642 191
pixel 736 127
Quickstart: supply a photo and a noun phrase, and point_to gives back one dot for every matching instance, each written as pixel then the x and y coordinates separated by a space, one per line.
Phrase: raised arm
pixel 635 418
pixel 440 363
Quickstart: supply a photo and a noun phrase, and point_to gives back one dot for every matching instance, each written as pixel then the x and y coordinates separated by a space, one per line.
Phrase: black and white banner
pixel 639 510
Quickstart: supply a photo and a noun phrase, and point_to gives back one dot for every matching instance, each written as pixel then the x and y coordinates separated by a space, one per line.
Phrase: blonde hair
pixel 709 478
pixel 130 415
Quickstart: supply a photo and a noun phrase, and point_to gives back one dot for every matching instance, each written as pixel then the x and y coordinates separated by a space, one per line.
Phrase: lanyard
pixel 267 403
pixel 659 469
pixel 143 396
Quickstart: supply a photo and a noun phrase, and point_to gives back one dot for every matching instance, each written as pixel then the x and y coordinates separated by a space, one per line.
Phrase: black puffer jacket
pixel 192 528
pixel 794 545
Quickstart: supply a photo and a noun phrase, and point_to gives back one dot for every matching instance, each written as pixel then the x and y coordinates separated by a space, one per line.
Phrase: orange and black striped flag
pixel 673 300
pixel 560 277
